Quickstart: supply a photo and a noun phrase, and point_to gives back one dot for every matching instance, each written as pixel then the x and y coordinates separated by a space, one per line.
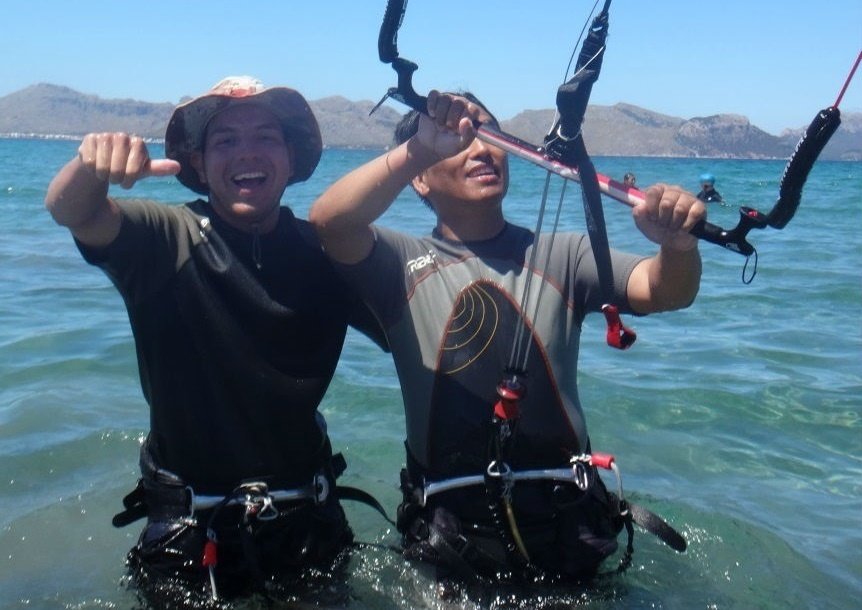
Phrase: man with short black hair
pixel 484 318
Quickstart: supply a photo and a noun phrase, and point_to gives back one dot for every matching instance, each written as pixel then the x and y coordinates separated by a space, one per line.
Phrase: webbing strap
pixel 452 558
pixel 135 507
pixel 345 492
pixel 175 500
pixel 658 527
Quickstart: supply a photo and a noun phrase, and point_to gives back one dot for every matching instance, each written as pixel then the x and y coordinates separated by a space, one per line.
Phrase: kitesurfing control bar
pixel 733 239
pixel 387 45
pixel 793 179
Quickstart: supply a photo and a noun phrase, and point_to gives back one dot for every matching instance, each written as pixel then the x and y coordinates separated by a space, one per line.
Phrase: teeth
pixel 250 176
pixel 482 171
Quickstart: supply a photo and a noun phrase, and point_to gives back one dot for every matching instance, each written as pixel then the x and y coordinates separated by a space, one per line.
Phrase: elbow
pixel 53 205
pixel 681 301
pixel 678 292
pixel 318 217
pixel 656 287
pixel 323 223
pixel 661 301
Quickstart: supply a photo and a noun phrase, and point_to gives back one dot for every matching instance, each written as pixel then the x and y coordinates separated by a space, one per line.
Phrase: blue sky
pixel 776 62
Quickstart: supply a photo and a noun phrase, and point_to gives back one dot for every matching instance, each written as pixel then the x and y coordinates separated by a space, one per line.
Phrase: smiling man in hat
pixel 238 321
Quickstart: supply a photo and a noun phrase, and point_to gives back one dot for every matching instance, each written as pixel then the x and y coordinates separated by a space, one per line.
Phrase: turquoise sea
pixel 739 420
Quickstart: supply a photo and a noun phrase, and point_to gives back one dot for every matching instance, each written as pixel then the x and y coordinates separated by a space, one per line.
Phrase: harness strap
pixel 135 506
pixel 453 558
pixel 657 526
pixel 345 492
pixel 417 491
pixel 175 499
pixel 626 559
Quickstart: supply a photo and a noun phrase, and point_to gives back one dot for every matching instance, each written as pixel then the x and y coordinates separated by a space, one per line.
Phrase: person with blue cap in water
pixel 707 193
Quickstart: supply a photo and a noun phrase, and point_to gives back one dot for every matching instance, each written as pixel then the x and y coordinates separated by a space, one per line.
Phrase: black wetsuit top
pixel 237 339
pixel 710 196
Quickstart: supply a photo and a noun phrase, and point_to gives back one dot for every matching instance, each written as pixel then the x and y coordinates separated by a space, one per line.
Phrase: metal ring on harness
pixel 268 511
pixel 502 471
pixel 581 475
pixel 495 471
pixel 321 488
pixel 558 132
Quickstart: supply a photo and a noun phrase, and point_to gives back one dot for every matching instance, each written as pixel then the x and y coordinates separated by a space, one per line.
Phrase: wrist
pixel 687 246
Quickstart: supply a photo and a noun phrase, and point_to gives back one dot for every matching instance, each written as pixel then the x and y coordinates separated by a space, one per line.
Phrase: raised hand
pixel 449 126
pixel 667 215
pixel 118 158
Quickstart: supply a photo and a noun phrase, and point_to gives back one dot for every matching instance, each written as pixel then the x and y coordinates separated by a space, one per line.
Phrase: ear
pixel 197 161
pixel 421 186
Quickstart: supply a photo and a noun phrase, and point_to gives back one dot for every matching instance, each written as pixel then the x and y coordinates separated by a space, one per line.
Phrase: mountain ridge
pixel 47 110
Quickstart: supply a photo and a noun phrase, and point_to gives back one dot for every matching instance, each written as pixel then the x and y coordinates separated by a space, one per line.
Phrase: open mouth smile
pixel 249 179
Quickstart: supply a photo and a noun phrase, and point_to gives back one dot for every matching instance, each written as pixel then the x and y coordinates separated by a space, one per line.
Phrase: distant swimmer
pixel 629 179
pixel 707 192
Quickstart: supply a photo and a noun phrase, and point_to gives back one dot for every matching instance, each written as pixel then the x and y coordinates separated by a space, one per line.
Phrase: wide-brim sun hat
pixel 187 127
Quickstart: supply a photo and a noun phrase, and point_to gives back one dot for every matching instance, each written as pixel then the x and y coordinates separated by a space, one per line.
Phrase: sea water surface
pixel 739 419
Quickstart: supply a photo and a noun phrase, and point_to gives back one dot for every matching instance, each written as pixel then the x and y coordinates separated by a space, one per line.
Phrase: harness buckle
pixel 257 501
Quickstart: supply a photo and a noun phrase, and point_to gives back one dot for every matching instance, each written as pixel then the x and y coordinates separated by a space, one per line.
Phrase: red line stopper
pixel 602 460
pixel 618 336
pixel 510 391
pixel 210 557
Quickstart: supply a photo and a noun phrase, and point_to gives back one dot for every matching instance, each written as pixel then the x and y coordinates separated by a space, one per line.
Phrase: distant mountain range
pixel 46 110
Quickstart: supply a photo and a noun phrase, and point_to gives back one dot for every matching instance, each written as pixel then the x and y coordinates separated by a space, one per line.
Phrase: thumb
pixel 163 167
pixel 466 132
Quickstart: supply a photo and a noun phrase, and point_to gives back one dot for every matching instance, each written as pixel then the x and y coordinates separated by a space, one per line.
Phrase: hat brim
pixel 186 130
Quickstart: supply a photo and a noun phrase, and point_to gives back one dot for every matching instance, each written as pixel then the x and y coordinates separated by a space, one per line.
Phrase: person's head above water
pixel 186 131
pixel 428 185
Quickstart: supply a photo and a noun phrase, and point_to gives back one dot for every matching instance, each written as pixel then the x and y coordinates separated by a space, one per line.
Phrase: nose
pixel 479 149
pixel 248 147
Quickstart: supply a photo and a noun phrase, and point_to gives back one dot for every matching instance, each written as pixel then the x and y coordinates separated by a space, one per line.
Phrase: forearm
pixel 78 199
pixel 343 214
pixel 75 195
pixel 669 280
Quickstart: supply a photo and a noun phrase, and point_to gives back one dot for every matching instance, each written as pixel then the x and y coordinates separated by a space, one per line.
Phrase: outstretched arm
pixel 78 195
pixel 670 279
pixel 343 214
